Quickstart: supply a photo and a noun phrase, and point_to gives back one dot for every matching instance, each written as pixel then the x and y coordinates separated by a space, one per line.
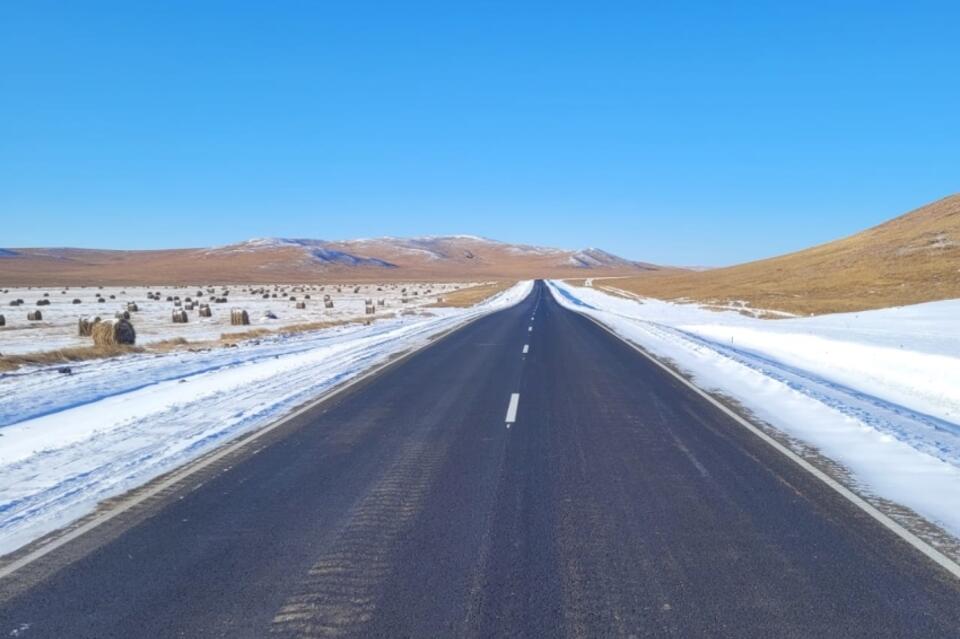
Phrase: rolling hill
pixel 910 259
pixel 304 260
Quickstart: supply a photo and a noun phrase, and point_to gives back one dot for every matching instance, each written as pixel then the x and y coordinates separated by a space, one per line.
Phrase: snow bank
pixel 877 391
pixel 67 442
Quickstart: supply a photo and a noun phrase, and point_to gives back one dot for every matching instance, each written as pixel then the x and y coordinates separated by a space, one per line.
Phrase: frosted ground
pixel 67 442
pixel 876 391
pixel 58 328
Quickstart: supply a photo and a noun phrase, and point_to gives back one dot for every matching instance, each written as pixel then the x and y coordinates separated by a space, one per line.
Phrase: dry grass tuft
pixel 65 355
pixel 473 295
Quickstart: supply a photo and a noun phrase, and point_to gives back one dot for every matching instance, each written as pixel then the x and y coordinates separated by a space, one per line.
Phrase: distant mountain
pixel 456 257
pixel 910 259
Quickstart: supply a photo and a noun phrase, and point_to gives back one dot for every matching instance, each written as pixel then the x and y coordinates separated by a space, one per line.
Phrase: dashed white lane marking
pixel 526 349
pixel 529 329
pixel 512 408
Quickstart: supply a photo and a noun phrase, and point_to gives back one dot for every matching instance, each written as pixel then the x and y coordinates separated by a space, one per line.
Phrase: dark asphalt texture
pixel 619 504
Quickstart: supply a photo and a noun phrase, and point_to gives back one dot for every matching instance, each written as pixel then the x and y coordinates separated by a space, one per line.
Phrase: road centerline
pixel 512 408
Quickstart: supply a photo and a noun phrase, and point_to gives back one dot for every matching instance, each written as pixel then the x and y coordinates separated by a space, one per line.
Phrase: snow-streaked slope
pixel 69 442
pixel 877 391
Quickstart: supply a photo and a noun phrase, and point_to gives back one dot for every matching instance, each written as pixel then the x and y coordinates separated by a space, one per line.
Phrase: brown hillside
pixel 454 258
pixel 911 259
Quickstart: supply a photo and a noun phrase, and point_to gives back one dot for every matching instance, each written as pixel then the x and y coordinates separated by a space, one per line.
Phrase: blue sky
pixel 690 133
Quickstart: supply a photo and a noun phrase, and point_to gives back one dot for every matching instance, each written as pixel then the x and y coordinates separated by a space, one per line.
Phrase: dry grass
pixel 292 329
pixel 473 295
pixel 911 259
pixel 65 356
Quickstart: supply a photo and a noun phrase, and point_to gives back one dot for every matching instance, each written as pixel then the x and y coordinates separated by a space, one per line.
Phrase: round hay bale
pixel 122 315
pixel 205 311
pixel 301 305
pixel 76 300
pixel 180 317
pixel 34 316
pixel 132 307
pixel 239 317
pixel 113 333
pixel 3 320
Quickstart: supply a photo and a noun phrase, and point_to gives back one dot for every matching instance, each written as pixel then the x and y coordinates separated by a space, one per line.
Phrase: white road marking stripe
pixel 512 408
pixel 526 349
pixel 530 329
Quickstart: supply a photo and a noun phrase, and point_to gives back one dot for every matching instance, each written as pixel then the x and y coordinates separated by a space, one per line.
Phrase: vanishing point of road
pixel 529 475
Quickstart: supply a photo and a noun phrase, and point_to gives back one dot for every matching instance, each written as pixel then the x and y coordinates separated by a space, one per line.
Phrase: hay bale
pixel 76 300
pixel 85 326
pixel 122 315
pixel 113 333
pixel 34 316
pixel 205 311
pixel 328 303
pixel 132 307
pixel 301 305
pixel 180 317
pixel 3 320
pixel 43 302
pixel 239 317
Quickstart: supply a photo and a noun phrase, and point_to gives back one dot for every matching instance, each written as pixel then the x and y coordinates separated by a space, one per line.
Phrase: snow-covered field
pixel 877 391
pixel 153 323
pixel 67 442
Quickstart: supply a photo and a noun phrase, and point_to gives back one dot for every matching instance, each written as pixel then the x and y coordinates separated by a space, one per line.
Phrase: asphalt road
pixel 618 503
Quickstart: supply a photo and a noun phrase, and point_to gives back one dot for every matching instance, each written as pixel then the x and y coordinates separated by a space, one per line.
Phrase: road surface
pixel 616 503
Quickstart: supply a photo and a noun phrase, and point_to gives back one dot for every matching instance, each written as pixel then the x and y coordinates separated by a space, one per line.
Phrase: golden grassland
pixel 911 259
pixel 472 295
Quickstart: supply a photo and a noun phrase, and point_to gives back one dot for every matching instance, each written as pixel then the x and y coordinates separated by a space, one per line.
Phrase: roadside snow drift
pixel 67 442
pixel 876 391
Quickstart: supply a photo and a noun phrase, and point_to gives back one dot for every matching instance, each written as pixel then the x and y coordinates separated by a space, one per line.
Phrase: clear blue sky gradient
pixel 696 133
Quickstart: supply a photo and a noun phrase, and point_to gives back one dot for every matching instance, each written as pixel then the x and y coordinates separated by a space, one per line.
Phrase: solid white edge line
pixel 512 408
pixel 199 464
pixel 932 553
